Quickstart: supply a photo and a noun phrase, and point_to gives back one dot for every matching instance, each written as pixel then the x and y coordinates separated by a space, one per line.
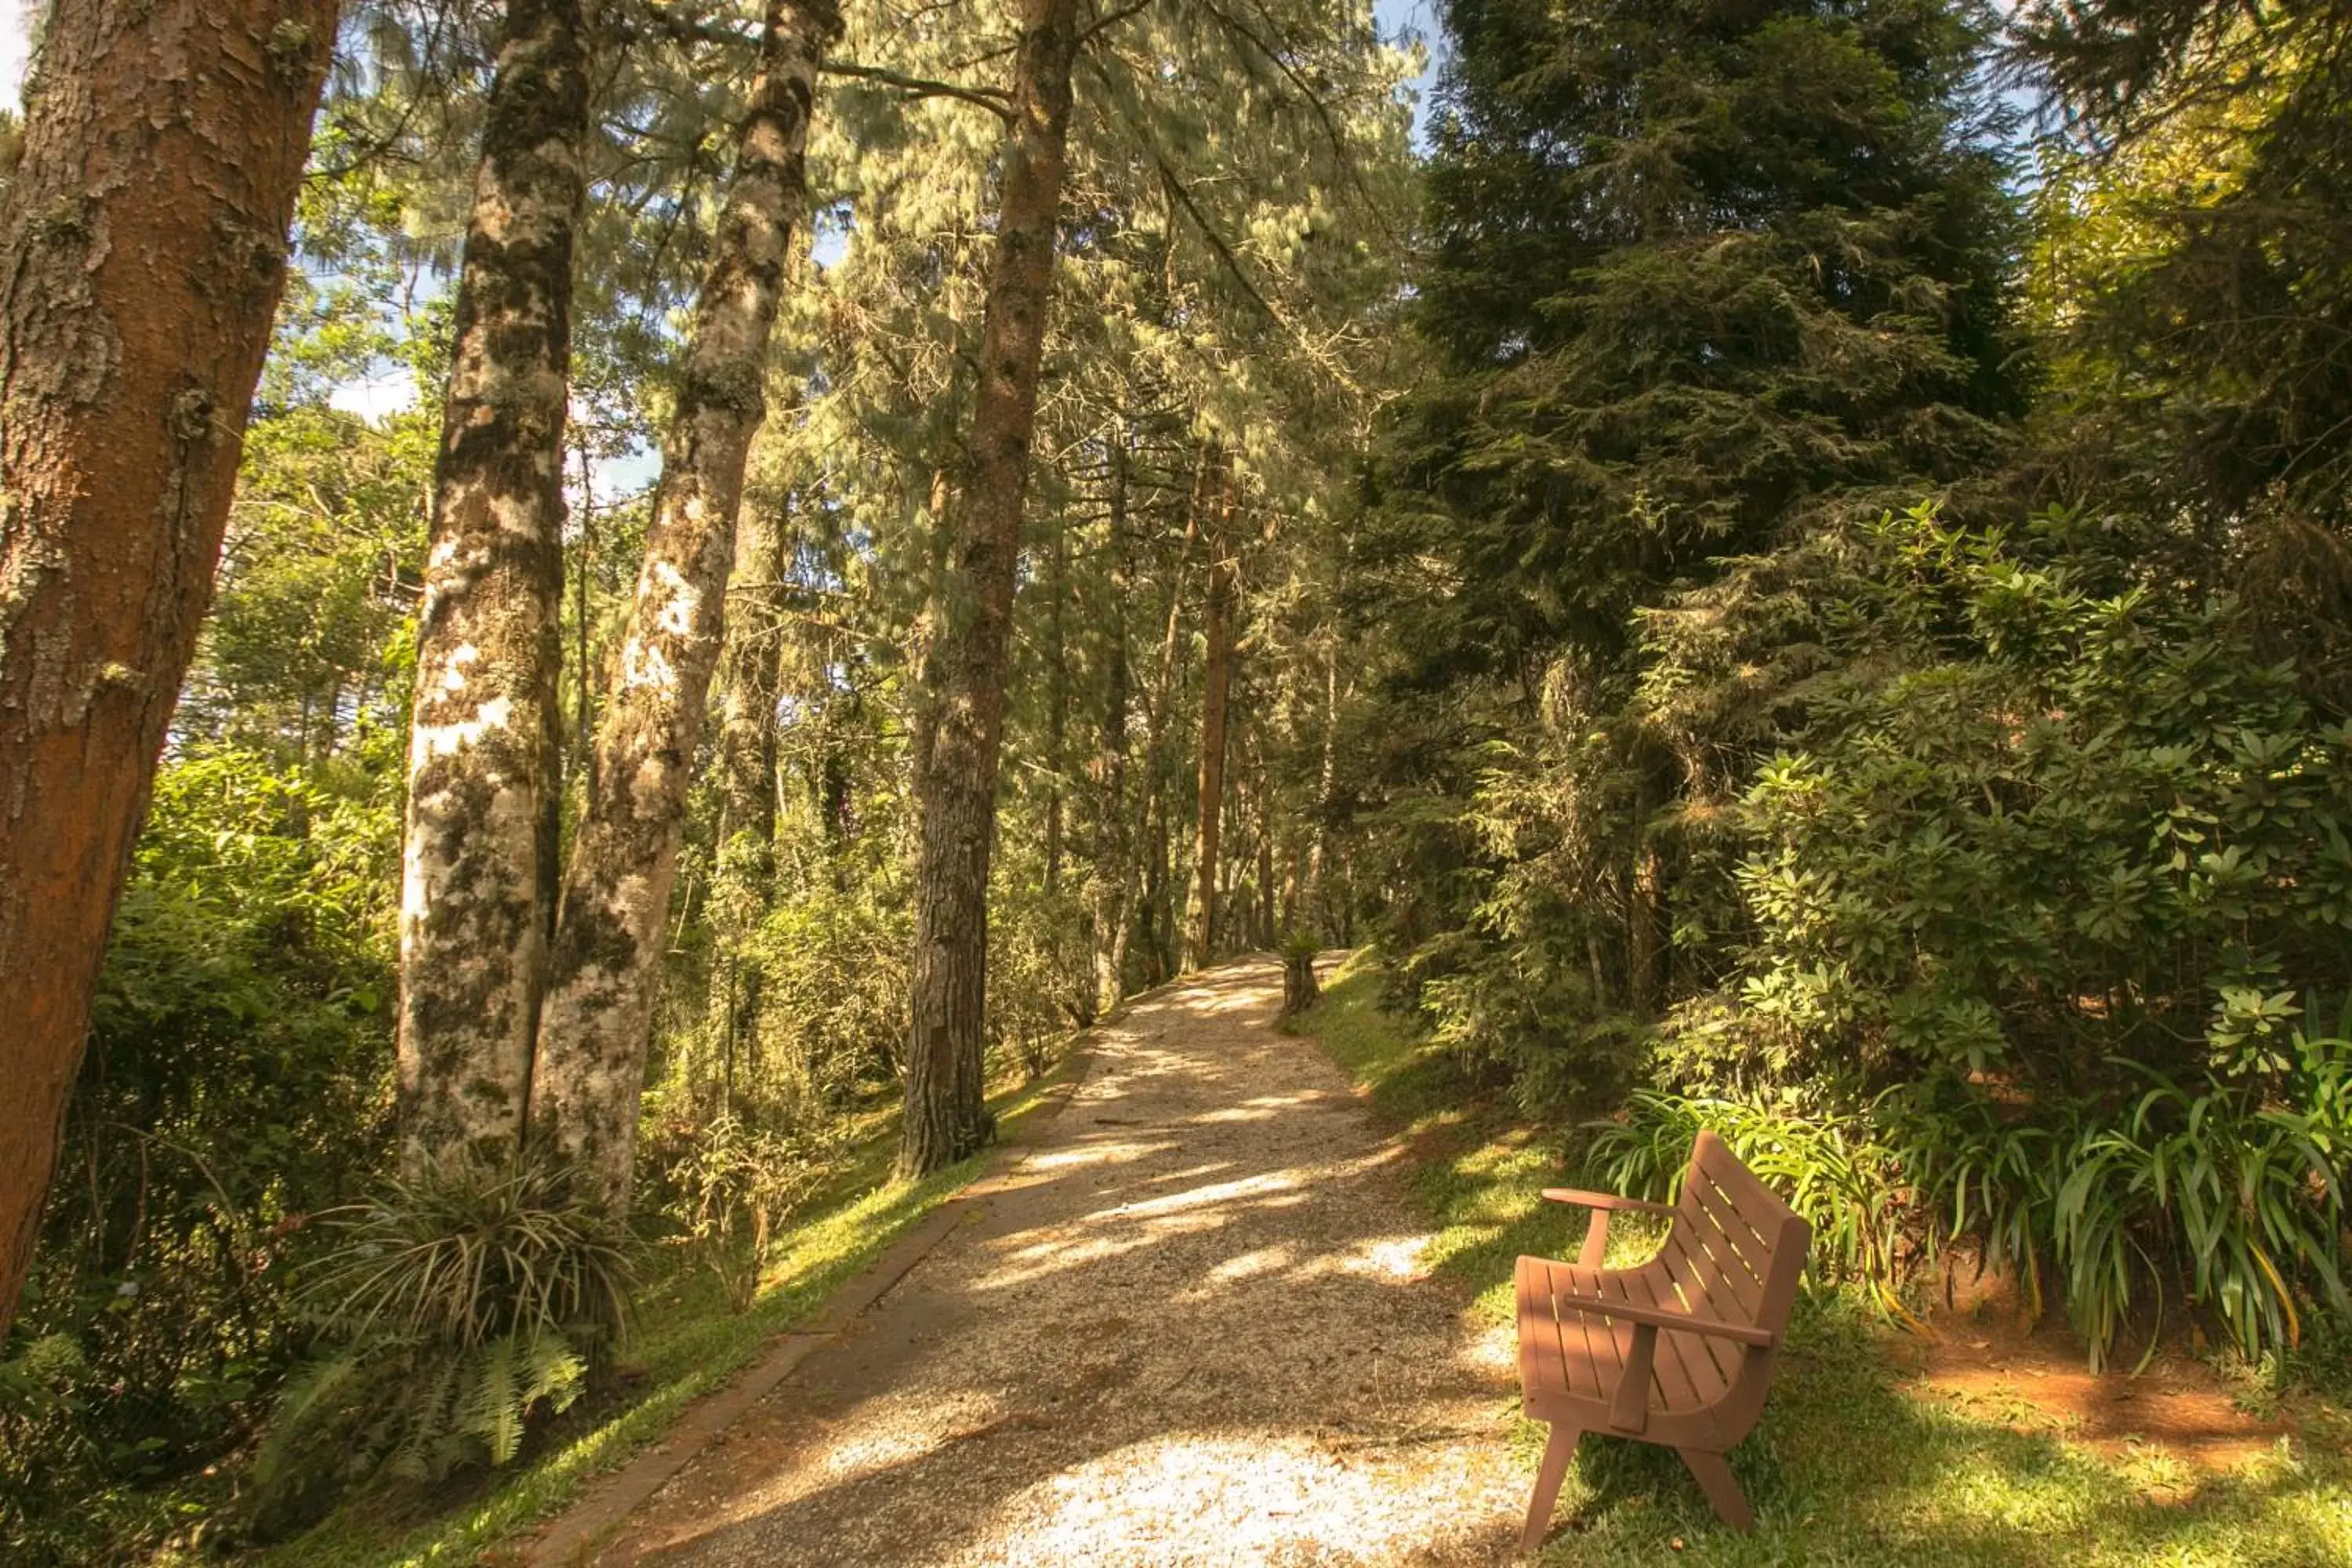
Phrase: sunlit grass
pixel 1846 1470
pixel 686 1342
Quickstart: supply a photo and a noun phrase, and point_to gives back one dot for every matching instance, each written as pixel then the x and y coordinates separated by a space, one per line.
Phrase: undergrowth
pixel 1846 1466
pixel 688 1335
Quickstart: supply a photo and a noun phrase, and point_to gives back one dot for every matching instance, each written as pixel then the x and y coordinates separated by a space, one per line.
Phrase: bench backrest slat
pixel 1737 1250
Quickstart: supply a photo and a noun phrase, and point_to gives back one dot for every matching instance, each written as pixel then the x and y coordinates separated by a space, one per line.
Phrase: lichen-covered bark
pixel 1216 686
pixel 946 1118
pixel 484 734
pixel 598 1008
pixel 141 260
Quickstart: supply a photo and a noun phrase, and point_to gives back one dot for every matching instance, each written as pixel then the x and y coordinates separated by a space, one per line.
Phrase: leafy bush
pixel 455 1307
pixel 730 1185
pixel 2042 816
pixel 2227 1196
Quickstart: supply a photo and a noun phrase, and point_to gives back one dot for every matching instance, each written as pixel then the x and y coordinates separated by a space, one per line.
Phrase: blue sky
pixel 1421 15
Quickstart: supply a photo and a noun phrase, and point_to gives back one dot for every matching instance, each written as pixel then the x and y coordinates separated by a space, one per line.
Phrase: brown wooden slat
pixel 1624 1285
pixel 1686 1378
pixel 1728 1282
pixel 1758 1204
pixel 1737 1219
pixel 1714 1253
pixel 1593 1350
pixel 1685 1274
pixel 1538 1372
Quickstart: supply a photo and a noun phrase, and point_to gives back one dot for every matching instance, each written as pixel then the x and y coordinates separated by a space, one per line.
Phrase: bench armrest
pixel 1659 1318
pixel 1605 1202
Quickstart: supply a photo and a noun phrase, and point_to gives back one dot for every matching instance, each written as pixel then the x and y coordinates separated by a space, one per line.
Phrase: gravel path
pixel 1193 1330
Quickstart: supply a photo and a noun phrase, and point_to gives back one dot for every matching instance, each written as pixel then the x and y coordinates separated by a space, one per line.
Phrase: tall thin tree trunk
pixel 598 1012
pixel 946 1115
pixel 1057 695
pixel 1216 682
pixel 1157 909
pixel 140 261
pixel 1318 856
pixel 1262 796
pixel 1113 862
pixel 750 681
pixel 1645 911
pixel 485 735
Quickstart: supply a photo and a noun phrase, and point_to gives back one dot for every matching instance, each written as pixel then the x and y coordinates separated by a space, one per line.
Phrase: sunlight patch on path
pixel 1195 1327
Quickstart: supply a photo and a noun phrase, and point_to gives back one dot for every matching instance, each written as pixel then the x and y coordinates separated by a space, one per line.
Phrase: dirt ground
pixel 1994 1368
pixel 1193 1329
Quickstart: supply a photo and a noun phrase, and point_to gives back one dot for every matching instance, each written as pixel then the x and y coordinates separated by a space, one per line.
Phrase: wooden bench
pixel 1678 1350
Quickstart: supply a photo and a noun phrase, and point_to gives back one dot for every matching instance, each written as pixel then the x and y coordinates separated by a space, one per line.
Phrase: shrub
pixel 454 1308
pixel 730 1184
pixel 2226 1196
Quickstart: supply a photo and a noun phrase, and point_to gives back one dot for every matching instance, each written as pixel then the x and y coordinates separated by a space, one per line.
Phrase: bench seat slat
pixel 1691 1283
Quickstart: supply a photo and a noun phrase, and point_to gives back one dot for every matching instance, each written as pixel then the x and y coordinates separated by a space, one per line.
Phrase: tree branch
pixel 997 100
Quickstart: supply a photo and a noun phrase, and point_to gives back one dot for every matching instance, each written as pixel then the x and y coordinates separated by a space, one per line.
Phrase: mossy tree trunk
pixel 484 734
pixel 598 1012
pixel 141 257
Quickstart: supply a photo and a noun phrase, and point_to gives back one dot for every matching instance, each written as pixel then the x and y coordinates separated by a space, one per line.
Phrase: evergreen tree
pixel 1701 280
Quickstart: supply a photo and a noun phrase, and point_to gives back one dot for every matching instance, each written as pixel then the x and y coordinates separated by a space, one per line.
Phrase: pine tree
pixel 1701 278
pixel 141 256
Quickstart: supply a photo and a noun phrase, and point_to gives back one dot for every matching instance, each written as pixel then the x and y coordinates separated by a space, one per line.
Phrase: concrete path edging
pixel 570 1538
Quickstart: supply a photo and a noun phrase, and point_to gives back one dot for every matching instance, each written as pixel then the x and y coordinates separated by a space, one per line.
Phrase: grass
pixel 1846 1468
pixel 684 1342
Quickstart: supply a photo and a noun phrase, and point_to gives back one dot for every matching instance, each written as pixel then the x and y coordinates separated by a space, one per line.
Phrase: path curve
pixel 1189 1328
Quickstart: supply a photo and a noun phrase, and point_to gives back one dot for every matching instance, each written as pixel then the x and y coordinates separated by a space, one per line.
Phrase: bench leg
pixel 1558 1452
pixel 1713 1478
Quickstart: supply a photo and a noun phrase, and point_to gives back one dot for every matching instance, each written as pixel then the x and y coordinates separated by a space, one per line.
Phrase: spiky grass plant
pixel 453 1308
pixel 2225 1197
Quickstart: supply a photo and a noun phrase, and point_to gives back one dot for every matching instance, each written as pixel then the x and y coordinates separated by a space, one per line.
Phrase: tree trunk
pixel 1319 857
pixel 1216 681
pixel 1261 795
pixel 1645 912
pixel 946 1116
pixel 1113 861
pixel 485 735
pixel 1057 695
pixel 598 1012
pixel 1300 990
pixel 751 682
pixel 1158 909
pixel 139 269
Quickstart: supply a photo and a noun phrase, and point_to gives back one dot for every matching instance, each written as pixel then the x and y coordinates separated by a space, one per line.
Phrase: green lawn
pixel 686 1342
pixel 1846 1468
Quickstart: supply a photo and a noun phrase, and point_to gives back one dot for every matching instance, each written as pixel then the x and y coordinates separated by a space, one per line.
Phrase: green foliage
pixel 2037 815
pixel 729 1187
pixel 237 1078
pixel 455 1305
pixel 1040 986
pixel 2221 1196
pixel 834 974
